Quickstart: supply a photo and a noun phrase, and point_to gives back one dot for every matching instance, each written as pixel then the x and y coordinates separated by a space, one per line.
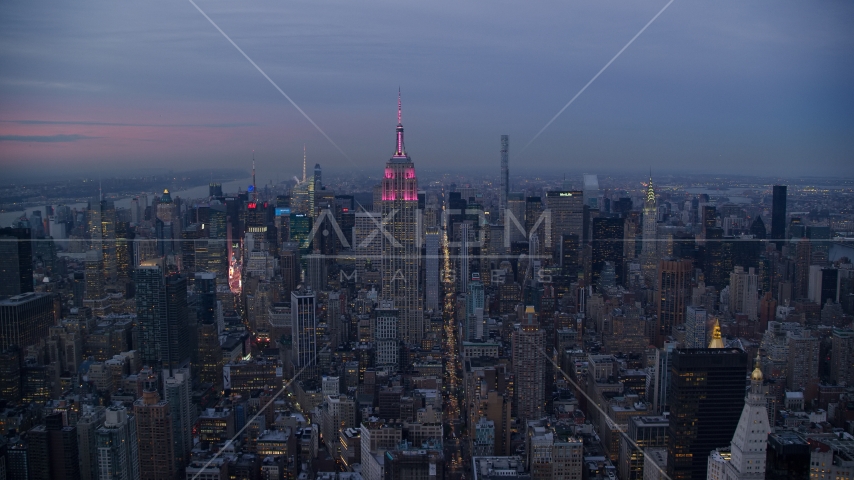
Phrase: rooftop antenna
pixel 254 193
pixel 303 163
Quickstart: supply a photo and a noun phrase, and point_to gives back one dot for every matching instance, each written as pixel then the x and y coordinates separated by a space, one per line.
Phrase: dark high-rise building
pixel 155 433
pixel 304 331
pixel 177 319
pixel 300 227
pixel 108 239
pixel 16 261
pixel 125 258
pixel 714 270
pixel 673 291
pixel 567 214
pixel 116 440
pixel 570 246
pixel 215 190
pixel 504 188
pixel 534 224
pixel 803 254
pixel 707 388
pixel 643 432
pixel 709 217
pixel 162 319
pixel 150 310
pixel 529 365
pixel 25 319
pixel 778 216
pixel 788 456
pixel 757 229
pixel 607 246
pixel 216 258
pixel 53 450
pixel 819 237
pixel 10 375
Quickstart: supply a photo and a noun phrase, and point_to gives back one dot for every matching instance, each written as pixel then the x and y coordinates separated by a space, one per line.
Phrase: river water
pixel 6 218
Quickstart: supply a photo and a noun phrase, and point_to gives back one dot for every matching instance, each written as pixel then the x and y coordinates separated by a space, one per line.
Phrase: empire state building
pixel 400 250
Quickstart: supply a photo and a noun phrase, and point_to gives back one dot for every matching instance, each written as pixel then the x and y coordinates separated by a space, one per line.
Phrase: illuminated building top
pixel 399 181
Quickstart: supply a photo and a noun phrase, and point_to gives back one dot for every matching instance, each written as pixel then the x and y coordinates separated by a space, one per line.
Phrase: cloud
pixel 44 138
pixel 119 124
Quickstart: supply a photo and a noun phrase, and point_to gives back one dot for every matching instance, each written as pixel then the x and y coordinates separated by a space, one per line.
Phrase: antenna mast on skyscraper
pixel 254 193
pixel 303 163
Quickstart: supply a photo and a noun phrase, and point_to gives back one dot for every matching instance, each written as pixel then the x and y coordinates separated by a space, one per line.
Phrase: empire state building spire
pixel 399 149
pixel 399 265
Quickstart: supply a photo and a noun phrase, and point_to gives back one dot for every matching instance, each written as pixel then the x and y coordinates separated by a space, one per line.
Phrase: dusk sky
pixel 755 87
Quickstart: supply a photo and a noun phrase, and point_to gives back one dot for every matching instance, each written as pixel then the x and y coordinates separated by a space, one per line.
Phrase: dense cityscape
pixel 614 241
pixel 386 327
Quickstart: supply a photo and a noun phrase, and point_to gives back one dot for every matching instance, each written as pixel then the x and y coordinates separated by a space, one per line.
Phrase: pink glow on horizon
pixel 129 135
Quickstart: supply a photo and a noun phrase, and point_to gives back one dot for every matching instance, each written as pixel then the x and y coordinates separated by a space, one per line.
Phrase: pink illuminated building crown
pixel 399 181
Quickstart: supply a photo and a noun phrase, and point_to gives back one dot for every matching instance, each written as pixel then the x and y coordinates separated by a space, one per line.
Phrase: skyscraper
pixel 591 191
pixel 706 399
pixel 167 212
pixel 176 391
pixel 607 247
pixel 803 254
pixel 108 240
pixel 803 363
pixel 155 432
pixel 567 214
pixel 386 337
pixel 431 283
pixel 117 446
pixel 475 328
pixel 16 261
pixel 149 311
pixel 505 177
pixel 778 216
pixel 696 319
pixel 649 250
pixel 568 254
pixel 25 319
pixel 401 254
pixel 529 366
pixel 177 317
pixel 672 292
pixel 514 219
pixel 304 331
pixel 747 448
pixel 53 452
pixel 744 292
pixel 162 317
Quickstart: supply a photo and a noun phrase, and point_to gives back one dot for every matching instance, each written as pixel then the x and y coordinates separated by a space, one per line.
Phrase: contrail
pixel 597 75
pixel 272 82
